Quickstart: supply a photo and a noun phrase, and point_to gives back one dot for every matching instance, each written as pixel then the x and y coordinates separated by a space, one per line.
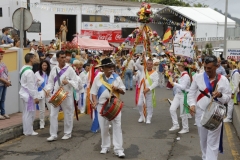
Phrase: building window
pixel 1 12
pixel 125 19
pixel 95 18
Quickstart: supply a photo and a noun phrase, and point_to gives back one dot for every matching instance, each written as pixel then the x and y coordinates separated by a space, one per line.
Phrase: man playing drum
pixel 63 76
pixel 100 93
pixel 205 86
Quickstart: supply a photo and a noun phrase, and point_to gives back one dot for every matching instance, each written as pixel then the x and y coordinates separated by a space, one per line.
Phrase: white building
pixel 83 16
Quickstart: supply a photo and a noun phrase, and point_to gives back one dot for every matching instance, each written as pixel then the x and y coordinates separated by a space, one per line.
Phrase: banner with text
pixel 183 43
pixel 233 53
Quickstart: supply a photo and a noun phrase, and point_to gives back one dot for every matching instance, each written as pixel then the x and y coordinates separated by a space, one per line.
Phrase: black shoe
pixel 130 89
pixel 127 89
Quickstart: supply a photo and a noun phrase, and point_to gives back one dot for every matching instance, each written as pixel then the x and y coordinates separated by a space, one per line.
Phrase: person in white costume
pixel 181 85
pixel 83 94
pixel 151 81
pixel 99 97
pixel 66 76
pixel 28 94
pixel 198 100
pixel 42 80
pixel 234 83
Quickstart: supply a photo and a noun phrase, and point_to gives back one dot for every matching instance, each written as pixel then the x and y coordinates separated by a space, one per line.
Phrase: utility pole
pixel 25 32
pixel 225 31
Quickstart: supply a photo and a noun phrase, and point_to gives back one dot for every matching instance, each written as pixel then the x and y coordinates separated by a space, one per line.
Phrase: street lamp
pixel 225 31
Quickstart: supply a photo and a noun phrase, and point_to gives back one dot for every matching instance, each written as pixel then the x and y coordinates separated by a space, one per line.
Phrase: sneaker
pixel 227 120
pixel 127 89
pixel 141 119
pixel 104 150
pixel 6 116
pixel 148 121
pixel 195 124
pixel 52 138
pixel 183 131
pixel 41 126
pixel 2 118
pixel 65 137
pixel 120 154
pixel 169 101
pixel 131 89
pixel 174 127
pixel 34 133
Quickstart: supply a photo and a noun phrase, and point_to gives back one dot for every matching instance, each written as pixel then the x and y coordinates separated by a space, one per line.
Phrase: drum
pixel 213 116
pixel 111 108
pixel 58 97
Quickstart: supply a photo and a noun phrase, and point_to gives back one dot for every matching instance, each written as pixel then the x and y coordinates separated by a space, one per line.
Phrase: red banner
pixel 109 35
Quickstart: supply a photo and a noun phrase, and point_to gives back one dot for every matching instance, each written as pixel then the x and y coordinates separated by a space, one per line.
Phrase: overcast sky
pixel 233 5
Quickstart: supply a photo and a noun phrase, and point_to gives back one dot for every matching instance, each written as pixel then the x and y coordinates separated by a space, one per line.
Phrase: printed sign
pixel 233 53
pixel 183 43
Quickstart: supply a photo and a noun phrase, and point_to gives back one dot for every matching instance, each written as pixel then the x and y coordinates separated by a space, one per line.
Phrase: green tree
pixel 208 48
pixel 200 5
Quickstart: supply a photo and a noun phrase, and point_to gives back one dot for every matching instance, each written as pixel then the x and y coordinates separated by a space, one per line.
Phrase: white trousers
pixel 41 105
pixel 178 101
pixel 117 131
pixel 161 80
pixel 148 104
pixel 209 140
pixel 230 109
pixel 28 119
pixel 68 110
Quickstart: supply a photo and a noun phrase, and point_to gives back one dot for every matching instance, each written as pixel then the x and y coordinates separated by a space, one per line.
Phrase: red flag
pixel 167 36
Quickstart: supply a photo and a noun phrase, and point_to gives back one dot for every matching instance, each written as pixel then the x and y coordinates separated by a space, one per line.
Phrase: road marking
pixel 231 142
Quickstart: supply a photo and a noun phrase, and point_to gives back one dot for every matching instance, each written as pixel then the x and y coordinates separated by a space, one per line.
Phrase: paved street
pixel 141 141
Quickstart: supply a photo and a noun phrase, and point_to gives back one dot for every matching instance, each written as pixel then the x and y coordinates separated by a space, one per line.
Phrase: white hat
pixel 154 54
pixel 53 60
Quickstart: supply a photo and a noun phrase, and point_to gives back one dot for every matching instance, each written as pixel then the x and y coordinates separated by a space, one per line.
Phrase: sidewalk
pixel 12 128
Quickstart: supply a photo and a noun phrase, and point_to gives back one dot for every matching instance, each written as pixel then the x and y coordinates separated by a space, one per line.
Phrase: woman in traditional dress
pixel 42 80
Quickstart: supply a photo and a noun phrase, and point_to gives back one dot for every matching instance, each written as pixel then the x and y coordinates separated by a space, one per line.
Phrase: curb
pixel 236 119
pixel 16 131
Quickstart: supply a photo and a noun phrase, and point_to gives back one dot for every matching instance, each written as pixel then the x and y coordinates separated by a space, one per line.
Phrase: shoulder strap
pixel 26 68
pixel 217 78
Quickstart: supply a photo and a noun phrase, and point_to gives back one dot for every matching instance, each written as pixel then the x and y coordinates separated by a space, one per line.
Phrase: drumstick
pixel 189 108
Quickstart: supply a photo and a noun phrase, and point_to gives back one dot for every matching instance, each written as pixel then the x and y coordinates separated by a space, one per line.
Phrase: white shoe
pixel 169 101
pixel 148 121
pixel 41 126
pixel 141 119
pixel 65 137
pixel 174 127
pixel 110 125
pixel 120 154
pixel 227 120
pixel 52 138
pixel 34 133
pixel 183 131
pixel 195 124
pixel 104 151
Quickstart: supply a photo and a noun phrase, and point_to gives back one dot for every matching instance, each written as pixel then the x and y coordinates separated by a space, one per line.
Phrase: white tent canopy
pixel 203 15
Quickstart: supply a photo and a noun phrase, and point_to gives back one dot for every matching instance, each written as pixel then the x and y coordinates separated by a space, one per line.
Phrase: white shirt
pixel 199 84
pixel 184 83
pixel 28 82
pixel 154 76
pixel 130 64
pixel 137 77
pixel 40 80
pixel 84 77
pixel 234 81
pixel 69 74
pixel 106 94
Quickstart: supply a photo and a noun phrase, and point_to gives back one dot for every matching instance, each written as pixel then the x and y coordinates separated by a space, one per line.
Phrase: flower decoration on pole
pixel 145 14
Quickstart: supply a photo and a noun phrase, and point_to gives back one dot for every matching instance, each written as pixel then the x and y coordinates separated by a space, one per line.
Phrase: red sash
pixel 206 90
